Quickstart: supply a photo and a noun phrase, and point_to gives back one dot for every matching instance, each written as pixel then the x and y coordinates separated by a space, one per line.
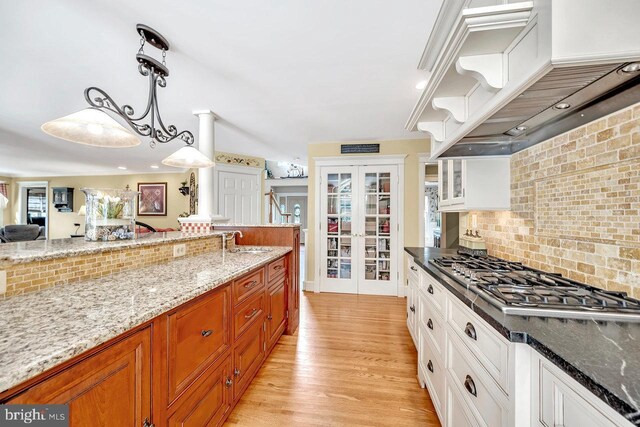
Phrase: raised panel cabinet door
pixel 209 402
pixel 248 354
pixel 293 285
pixel 110 388
pixel 199 333
pixel 276 312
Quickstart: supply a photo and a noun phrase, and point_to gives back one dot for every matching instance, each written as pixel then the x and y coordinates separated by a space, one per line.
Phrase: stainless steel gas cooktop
pixel 517 289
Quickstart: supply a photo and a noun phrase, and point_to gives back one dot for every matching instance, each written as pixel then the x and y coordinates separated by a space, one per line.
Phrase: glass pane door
pixel 457 178
pixel 339 194
pixel 444 173
pixel 378 221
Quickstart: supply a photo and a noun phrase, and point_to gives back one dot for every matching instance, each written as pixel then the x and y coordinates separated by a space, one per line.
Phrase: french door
pixel 359 229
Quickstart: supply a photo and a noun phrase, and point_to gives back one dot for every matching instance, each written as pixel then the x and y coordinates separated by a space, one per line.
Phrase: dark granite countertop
pixel 602 356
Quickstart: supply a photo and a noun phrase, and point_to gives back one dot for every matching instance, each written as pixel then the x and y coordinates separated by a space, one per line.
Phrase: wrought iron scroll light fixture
pixel 157 72
pixel 91 127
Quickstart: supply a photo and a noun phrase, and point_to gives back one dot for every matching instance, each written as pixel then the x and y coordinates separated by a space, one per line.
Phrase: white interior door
pixel 239 196
pixel 338 271
pixel 377 218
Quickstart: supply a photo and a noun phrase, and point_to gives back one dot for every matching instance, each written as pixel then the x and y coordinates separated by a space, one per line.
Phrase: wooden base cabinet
pixel 186 367
pixel 210 402
pixel 110 388
pixel 248 355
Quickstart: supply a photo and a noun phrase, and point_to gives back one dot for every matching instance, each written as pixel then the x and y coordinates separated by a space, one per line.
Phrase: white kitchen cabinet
pixel 561 401
pixel 474 184
pixel 431 371
pixel 412 308
pixel 457 415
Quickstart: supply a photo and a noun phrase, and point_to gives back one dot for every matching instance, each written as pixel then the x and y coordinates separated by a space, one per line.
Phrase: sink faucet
pixel 226 237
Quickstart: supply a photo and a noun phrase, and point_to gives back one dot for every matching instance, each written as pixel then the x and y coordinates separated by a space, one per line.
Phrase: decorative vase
pixel 111 214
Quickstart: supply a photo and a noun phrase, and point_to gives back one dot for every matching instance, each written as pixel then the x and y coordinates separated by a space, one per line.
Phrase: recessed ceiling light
pixel 562 106
pixel 634 67
pixel 154 166
pixel 521 128
pixel 122 168
pixel 421 85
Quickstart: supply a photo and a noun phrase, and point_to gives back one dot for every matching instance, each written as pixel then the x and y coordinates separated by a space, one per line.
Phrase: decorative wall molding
pixel 239 160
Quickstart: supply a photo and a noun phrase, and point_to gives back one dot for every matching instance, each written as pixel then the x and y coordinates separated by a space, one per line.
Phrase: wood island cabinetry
pixel 188 366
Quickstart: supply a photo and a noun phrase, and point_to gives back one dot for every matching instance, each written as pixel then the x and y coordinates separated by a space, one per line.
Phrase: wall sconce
pixel 184 189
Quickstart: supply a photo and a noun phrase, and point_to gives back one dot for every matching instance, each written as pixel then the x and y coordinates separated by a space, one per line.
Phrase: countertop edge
pixel 76 350
pixel 613 401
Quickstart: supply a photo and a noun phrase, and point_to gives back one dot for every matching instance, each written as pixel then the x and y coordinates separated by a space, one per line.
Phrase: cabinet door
pixel 443 184
pixel 276 312
pixel 248 354
pixel 411 311
pixel 458 415
pixel 377 230
pixel 209 402
pixel 337 230
pixel 293 291
pixel 199 333
pixel 111 388
pixel 456 181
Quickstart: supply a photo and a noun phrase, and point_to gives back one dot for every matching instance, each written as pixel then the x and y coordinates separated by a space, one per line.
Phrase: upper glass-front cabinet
pixel 451 173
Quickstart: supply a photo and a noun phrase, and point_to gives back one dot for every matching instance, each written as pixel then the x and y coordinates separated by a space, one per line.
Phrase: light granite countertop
pixel 40 250
pixel 285 225
pixel 41 330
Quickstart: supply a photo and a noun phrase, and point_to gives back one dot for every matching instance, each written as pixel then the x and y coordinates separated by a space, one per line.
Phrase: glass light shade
pixel 91 127
pixel 188 157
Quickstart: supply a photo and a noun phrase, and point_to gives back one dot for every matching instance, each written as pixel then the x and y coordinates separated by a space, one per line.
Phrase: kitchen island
pixel 600 356
pixel 153 343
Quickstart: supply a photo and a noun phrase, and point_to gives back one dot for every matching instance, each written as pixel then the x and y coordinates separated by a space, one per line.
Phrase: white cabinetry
pixel 476 377
pixel 474 184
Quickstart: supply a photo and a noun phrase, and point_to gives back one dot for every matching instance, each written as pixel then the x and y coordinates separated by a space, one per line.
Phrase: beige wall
pixel 575 205
pixel 412 148
pixel 6 214
pixel 61 223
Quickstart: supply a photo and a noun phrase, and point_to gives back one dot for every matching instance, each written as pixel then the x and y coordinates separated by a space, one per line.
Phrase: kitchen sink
pixel 250 250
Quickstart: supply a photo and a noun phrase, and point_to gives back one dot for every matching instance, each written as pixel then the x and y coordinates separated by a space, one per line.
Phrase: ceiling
pixel 279 74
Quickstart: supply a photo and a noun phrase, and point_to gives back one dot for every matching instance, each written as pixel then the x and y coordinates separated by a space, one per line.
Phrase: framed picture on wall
pixel 152 200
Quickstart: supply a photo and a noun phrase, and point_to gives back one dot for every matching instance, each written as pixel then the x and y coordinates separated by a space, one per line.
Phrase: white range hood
pixel 499 71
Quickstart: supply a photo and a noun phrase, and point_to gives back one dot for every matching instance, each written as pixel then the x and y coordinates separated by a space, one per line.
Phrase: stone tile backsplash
pixel 575 205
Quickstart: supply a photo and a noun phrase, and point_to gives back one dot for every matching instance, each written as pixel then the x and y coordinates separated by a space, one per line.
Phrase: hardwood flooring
pixel 351 363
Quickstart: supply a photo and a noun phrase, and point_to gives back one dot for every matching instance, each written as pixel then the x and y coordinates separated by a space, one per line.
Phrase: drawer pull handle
pixel 470 385
pixel 430 324
pixel 207 332
pixel 430 365
pixel 147 423
pixel 228 382
pixel 278 267
pixel 269 317
pixel 413 308
pixel 470 331
pixel 236 372
pixel 253 313
pixel 413 268
pixel 250 284
pixel 430 289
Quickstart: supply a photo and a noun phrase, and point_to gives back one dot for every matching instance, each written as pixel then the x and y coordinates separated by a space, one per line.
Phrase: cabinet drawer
pixel 458 414
pixel 246 286
pixel 491 351
pixel 433 291
pixel 562 403
pixel 248 354
pixel 276 312
pixel 198 334
pixel 486 400
pixel 248 313
pixel 431 367
pixel 433 325
pixel 412 270
pixel 209 401
pixel 275 269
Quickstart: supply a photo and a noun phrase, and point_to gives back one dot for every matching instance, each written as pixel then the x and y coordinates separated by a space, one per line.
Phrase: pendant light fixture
pixel 94 126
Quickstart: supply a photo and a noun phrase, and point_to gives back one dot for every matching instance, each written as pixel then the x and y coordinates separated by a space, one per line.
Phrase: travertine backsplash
pixel 575 205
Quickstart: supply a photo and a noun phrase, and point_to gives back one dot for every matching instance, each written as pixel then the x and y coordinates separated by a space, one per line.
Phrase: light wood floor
pixel 351 363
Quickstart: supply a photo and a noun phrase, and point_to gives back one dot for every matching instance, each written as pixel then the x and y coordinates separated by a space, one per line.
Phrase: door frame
pixel 389 159
pixel 21 208
pixel 245 170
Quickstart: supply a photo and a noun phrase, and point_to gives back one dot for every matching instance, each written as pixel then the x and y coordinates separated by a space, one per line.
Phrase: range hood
pixel 504 77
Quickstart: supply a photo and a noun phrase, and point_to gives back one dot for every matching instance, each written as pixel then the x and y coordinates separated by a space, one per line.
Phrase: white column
pixel 206 144
pixel 206 214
